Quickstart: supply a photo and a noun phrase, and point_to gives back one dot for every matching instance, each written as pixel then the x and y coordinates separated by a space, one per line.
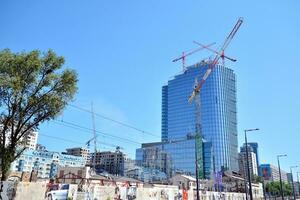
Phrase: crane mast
pixel 196 95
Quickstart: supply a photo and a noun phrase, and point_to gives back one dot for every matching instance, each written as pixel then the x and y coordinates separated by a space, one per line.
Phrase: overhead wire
pixel 76 126
pixel 75 142
pixel 115 121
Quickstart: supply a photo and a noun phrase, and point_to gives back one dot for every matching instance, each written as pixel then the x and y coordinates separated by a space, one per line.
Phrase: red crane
pixel 185 54
pixel 219 54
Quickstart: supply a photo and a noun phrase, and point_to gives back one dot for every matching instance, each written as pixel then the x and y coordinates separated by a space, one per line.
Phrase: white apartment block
pixel 29 140
pixel 252 164
pixel 45 163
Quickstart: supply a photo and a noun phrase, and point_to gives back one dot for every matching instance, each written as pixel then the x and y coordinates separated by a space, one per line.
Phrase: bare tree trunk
pixel 4 170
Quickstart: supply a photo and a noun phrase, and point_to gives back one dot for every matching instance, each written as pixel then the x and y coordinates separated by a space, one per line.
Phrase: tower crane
pixel 223 56
pixel 220 54
pixel 196 95
pixel 185 54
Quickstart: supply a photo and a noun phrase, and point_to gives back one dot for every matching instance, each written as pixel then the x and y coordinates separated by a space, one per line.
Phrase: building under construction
pixel 218 120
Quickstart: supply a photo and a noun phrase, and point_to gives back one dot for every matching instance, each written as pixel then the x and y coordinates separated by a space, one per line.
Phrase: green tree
pixel 33 89
pixel 273 188
pixel 257 179
pixel 287 189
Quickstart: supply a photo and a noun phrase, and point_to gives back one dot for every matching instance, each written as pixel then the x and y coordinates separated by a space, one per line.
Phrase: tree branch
pixel 19 153
pixel 19 128
pixel 33 125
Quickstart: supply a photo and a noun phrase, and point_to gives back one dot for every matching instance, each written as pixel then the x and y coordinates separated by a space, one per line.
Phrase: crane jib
pixel 232 33
pixel 216 59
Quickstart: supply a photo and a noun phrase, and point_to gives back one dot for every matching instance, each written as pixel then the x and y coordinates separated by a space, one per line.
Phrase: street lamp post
pixel 294 194
pixel 245 181
pixel 247 161
pixel 281 190
pixel 298 184
pixel 264 189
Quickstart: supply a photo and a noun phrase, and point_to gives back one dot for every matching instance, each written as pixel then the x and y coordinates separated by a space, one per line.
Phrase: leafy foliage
pixel 257 179
pixel 273 188
pixel 33 89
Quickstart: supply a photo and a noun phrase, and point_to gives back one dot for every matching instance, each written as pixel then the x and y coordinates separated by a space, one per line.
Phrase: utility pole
pixel 298 185
pixel 95 138
pixel 294 194
pixel 198 144
pixel 247 160
pixel 245 182
pixel 298 182
pixel 197 178
pixel 244 174
pixel 281 189
pixel 216 185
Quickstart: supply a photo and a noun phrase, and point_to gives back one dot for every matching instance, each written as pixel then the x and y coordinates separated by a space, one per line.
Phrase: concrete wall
pixel 30 191
pixel 8 190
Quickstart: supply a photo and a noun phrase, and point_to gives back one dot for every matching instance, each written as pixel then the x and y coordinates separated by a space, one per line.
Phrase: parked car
pixel 58 194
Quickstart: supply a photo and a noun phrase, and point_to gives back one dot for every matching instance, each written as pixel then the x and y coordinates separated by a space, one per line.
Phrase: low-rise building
pixel 112 162
pixel 44 163
pixel 147 175
pixel 80 151
pixel 171 158
pixel 128 164
pixel 79 175
pixel 40 147
pixel 84 176
pixel 153 156
pixel 271 173
pixel 235 182
pixel 183 181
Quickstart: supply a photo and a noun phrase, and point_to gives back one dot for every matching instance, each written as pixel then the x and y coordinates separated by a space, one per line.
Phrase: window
pixel 65 187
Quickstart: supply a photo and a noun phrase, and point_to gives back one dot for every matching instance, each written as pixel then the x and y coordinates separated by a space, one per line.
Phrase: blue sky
pixel 122 51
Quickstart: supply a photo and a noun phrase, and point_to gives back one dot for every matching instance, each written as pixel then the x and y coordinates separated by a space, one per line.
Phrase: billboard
pixel 265 171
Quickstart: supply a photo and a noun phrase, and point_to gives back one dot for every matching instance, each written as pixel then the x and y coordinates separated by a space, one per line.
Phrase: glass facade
pixel 218 122
pixel 218 112
pixel 164 114
pixel 207 160
pixel 179 157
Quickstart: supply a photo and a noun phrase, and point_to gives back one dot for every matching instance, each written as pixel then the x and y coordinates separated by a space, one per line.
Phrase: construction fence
pixel 36 191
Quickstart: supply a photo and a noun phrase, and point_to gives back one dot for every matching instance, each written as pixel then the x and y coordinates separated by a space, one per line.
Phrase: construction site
pixel 206 179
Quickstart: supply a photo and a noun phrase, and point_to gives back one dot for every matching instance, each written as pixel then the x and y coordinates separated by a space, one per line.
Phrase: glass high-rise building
pixel 218 112
pixel 218 123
